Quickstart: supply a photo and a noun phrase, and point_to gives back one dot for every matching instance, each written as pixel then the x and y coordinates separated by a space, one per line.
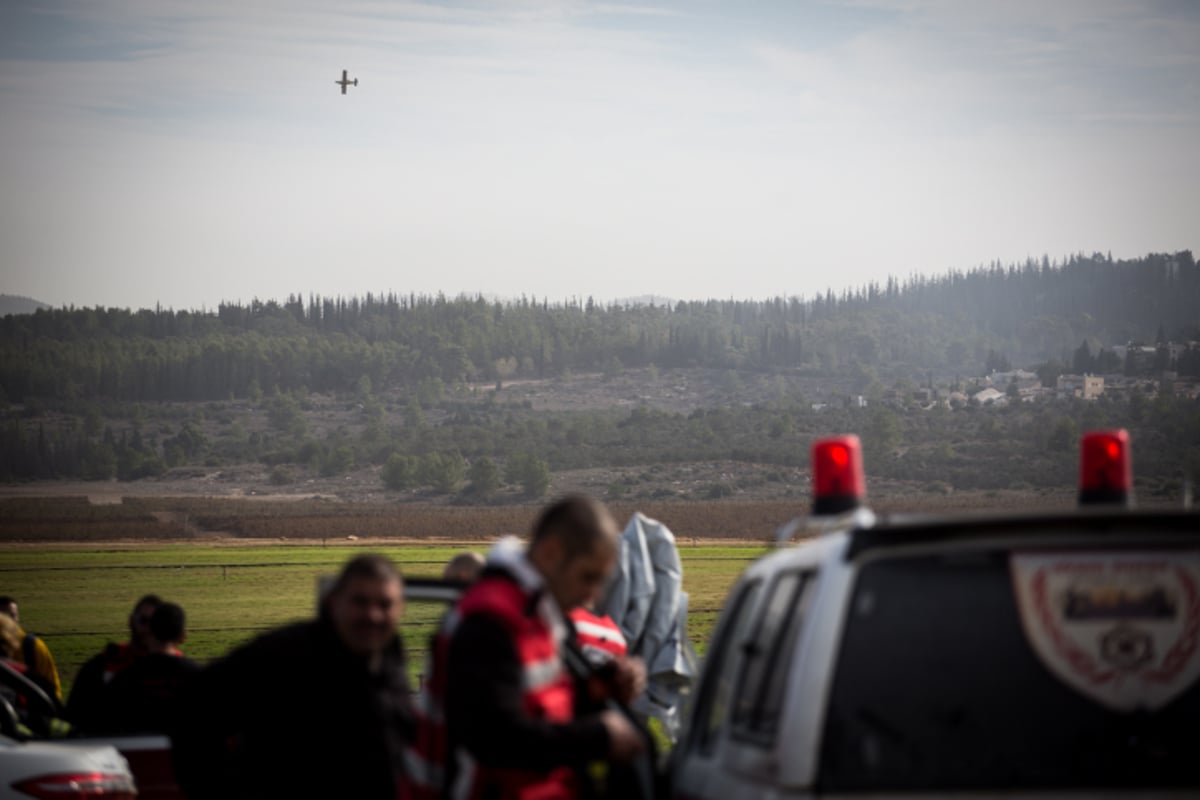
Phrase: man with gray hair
pixel 315 709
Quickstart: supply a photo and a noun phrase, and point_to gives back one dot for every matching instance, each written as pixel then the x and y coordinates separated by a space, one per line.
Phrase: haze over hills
pixel 425 386
pixel 17 304
pixel 1092 288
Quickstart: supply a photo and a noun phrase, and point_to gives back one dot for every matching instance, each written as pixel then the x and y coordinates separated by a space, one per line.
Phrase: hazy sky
pixel 193 152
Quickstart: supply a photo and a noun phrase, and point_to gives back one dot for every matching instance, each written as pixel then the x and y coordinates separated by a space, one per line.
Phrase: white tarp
pixel 1122 628
pixel 647 601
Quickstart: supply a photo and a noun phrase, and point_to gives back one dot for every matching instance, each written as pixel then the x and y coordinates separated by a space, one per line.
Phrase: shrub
pixel 530 473
pixel 399 472
pixel 484 477
pixel 282 476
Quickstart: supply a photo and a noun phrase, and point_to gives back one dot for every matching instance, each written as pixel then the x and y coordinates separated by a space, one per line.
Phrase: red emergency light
pixel 1105 471
pixel 838 483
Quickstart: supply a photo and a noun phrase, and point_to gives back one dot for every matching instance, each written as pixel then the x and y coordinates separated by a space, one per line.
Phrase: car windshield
pixel 940 682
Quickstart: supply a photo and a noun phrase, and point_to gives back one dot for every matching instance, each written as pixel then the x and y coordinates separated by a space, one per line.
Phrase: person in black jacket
pixel 143 697
pixel 86 706
pixel 314 709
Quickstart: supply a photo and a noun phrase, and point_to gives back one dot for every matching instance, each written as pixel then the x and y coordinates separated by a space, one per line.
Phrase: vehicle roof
pixel 1095 523
pixel 1075 527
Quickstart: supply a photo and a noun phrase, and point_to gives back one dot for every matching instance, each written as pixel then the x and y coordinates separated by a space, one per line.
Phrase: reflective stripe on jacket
pixel 599 637
pixel 547 690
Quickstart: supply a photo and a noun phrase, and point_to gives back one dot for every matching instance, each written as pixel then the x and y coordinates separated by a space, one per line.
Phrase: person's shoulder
pixel 178 663
pixel 93 662
pixel 496 593
pixel 479 633
pixel 159 669
pixel 118 653
pixel 296 638
pixel 255 660
pixel 158 663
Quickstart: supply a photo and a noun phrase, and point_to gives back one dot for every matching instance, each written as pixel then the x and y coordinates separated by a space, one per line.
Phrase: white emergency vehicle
pixel 1022 655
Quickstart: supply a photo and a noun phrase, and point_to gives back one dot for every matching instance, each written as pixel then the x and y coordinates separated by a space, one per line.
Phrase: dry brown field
pixel 32 517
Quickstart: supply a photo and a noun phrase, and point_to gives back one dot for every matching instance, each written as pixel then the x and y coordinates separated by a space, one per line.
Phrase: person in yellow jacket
pixel 26 700
pixel 33 652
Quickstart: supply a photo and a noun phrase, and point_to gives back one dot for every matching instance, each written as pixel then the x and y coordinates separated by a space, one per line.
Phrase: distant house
pixel 1177 349
pixel 1189 389
pixel 1030 394
pixel 990 396
pixel 1120 386
pixel 1088 387
pixel 1136 357
pixel 1024 378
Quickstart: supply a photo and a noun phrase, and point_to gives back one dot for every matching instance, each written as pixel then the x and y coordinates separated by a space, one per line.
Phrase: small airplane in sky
pixel 344 82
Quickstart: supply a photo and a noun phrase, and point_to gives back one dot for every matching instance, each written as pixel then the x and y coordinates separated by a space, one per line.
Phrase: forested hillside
pixel 1028 314
pixel 97 393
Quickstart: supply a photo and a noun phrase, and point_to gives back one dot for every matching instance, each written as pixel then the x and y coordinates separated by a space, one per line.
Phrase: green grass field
pixel 78 597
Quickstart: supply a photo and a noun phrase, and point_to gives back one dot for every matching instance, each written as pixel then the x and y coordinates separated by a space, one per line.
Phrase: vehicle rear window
pixel 938 687
pixel 714 701
pixel 764 674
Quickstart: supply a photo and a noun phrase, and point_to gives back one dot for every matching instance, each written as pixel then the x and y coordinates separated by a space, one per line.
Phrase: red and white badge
pixel 1123 628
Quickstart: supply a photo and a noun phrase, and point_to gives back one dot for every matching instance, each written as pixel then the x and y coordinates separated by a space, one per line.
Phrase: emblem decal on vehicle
pixel 1123 628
